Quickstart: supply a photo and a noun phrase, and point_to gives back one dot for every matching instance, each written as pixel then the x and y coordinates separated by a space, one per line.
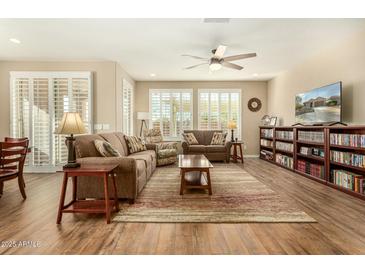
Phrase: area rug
pixel 237 198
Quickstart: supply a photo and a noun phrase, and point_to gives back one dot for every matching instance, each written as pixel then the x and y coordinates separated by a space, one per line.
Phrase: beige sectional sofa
pixel 132 174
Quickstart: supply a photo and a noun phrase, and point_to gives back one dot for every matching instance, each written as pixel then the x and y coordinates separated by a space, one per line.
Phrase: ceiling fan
pixel 217 60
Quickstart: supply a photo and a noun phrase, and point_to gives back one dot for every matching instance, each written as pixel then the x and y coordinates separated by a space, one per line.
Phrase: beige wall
pixel 345 63
pixel 250 120
pixel 107 82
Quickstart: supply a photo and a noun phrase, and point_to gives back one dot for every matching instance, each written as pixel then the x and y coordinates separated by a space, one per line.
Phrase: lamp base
pixel 232 137
pixel 71 165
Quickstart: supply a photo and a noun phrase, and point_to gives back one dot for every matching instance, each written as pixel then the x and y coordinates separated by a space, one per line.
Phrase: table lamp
pixel 232 126
pixel 143 116
pixel 71 123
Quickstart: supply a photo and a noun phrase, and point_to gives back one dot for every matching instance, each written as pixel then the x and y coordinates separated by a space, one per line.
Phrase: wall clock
pixel 254 104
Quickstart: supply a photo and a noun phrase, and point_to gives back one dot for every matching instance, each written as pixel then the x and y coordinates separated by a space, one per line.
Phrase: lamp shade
pixel 143 115
pixel 71 123
pixel 232 125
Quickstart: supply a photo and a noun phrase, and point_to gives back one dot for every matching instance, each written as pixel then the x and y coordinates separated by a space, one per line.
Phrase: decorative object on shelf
pixel 265 120
pixel 254 104
pixel 273 121
pixel 232 126
pixel 71 123
pixel 143 116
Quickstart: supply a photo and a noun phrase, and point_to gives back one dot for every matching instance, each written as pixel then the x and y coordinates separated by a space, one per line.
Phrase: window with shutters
pixel 38 102
pixel 171 111
pixel 217 107
pixel 127 107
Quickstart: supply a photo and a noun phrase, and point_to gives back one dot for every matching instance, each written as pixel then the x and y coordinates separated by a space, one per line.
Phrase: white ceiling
pixel 145 46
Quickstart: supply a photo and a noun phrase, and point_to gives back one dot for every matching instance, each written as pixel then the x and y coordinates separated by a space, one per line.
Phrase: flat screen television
pixel 320 105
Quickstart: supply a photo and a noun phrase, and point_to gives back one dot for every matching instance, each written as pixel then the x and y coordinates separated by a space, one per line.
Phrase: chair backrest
pixel 13 154
pixel 203 137
pixel 152 136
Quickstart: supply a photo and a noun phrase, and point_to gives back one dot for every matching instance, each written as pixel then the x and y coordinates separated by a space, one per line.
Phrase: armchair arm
pixel 167 145
pixel 151 146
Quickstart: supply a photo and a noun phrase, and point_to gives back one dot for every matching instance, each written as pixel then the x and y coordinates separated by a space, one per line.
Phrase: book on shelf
pixel 311 136
pixel 349 180
pixel 267 133
pixel 268 155
pixel 284 134
pixel 311 168
pixel 351 140
pixel 284 146
pixel 266 143
pixel 284 160
pixel 348 158
pixel 319 152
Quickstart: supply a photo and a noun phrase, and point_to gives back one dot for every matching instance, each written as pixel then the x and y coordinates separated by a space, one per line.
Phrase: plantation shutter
pixel 38 102
pixel 218 107
pixel 171 111
pixel 127 108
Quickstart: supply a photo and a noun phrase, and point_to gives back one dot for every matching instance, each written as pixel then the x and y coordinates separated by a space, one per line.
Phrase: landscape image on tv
pixel 320 105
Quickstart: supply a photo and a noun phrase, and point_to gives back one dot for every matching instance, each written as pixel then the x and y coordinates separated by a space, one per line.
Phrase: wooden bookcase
pixel 322 145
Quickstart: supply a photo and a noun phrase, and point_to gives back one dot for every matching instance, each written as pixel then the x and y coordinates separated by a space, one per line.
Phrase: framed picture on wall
pixel 273 121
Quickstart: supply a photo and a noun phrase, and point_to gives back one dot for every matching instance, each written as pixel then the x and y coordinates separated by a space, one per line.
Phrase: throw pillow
pixel 190 138
pixel 135 144
pixel 106 149
pixel 218 138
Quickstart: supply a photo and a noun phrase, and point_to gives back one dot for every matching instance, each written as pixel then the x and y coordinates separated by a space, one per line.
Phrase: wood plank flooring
pixel 340 228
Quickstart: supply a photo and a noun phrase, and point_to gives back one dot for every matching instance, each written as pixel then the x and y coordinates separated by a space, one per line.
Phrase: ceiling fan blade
pixel 219 52
pixel 231 65
pixel 240 56
pixel 195 57
pixel 196 65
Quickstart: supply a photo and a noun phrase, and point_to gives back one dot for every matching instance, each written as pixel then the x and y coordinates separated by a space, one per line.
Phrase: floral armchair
pixel 166 151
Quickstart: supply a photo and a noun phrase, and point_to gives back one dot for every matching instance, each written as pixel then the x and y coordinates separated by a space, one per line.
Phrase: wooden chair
pixel 12 159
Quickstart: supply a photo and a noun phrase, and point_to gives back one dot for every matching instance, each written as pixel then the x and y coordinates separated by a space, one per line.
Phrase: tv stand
pixel 320 124
pixel 337 123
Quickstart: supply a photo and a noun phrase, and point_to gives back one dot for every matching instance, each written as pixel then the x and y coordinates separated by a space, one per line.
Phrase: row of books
pixel 284 160
pixel 266 143
pixel 348 180
pixel 319 152
pixel 352 140
pixel 284 134
pixel 348 158
pixel 267 133
pixel 268 155
pixel 312 136
pixel 310 168
pixel 284 146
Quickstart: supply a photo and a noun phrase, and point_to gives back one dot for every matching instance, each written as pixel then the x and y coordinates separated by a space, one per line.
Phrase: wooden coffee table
pixel 194 171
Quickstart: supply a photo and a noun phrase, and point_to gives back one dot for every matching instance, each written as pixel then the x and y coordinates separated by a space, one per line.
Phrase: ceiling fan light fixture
pixel 215 65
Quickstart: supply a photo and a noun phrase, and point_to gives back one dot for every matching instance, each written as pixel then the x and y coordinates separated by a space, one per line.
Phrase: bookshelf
pixel 334 156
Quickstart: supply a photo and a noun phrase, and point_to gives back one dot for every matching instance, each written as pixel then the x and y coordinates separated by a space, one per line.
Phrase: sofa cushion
pixel 135 144
pixel 197 148
pixel 84 145
pixel 215 148
pixel 219 138
pixel 190 138
pixel 113 139
pixel 106 149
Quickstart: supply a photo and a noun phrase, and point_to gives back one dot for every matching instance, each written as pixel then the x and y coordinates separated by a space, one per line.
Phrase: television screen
pixel 320 105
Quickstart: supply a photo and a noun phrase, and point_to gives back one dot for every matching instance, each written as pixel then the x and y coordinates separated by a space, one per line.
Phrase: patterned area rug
pixel 237 198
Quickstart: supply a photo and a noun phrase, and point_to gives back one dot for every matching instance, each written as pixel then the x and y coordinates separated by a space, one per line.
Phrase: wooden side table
pixel 235 155
pixel 88 206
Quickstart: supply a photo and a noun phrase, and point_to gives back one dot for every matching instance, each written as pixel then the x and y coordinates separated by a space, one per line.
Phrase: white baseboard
pixel 250 156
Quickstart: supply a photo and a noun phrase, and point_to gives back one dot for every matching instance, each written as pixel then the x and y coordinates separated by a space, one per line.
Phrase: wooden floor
pixel 340 228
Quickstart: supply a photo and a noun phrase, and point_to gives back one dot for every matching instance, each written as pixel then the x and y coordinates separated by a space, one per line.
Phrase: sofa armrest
pixel 125 165
pixel 185 147
pixel 151 146
pixel 228 146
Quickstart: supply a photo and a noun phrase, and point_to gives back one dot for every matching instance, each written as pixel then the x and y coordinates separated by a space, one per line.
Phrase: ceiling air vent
pixel 216 20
